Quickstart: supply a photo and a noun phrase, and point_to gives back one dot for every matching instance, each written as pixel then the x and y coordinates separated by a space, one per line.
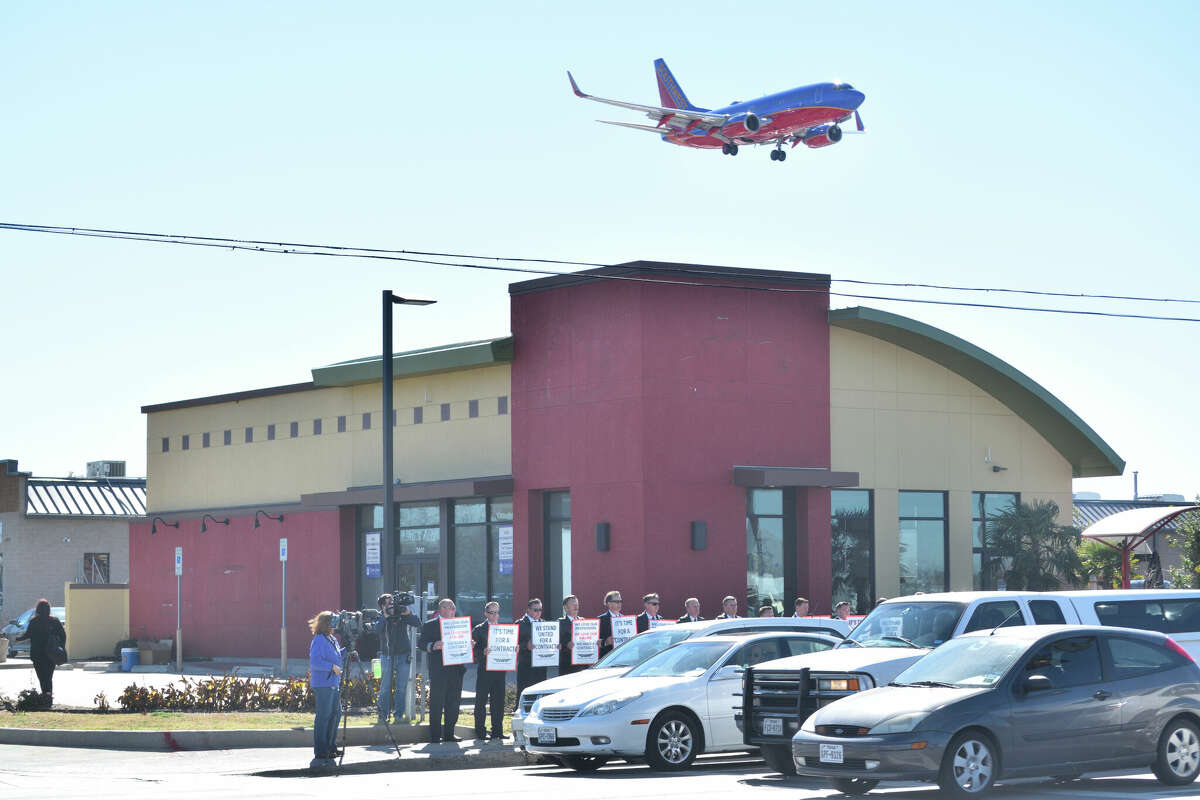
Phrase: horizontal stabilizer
pixel 635 126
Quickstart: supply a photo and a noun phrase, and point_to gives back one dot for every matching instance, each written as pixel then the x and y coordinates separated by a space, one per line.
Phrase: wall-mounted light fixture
pixel 998 468
pixel 206 517
pixel 603 537
pixel 276 517
pixel 154 524
pixel 699 534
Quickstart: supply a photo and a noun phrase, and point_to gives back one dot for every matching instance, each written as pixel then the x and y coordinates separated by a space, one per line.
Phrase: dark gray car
pixel 1056 700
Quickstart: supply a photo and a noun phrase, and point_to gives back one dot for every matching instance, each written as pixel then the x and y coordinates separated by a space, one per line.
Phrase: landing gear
pixel 778 155
pixel 729 149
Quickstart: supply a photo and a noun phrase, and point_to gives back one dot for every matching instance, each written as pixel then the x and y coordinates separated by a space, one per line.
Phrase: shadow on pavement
pixel 731 765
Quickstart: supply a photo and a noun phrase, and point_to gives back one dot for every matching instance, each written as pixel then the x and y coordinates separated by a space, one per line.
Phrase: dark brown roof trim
pixel 410 492
pixel 793 476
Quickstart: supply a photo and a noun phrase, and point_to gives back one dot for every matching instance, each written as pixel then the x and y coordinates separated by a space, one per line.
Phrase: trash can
pixel 129 658
pixel 376 668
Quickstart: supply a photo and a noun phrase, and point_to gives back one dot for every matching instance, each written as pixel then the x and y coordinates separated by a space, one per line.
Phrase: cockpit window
pixel 840 86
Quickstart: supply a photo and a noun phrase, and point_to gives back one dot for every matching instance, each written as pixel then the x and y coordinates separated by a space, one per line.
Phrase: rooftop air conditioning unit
pixel 106 469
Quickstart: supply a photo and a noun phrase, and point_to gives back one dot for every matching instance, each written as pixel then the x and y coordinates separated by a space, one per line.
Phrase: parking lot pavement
pixel 24 772
pixel 78 688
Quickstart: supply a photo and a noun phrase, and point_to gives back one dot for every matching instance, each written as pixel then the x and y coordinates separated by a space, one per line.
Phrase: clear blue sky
pixel 1031 145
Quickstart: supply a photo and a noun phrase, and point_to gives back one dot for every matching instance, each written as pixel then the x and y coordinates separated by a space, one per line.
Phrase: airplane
pixel 809 114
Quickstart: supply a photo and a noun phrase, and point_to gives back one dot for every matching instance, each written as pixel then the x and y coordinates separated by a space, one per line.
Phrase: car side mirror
pixel 728 673
pixel 1036 683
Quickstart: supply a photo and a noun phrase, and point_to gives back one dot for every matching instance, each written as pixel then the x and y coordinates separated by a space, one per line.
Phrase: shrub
pixel 231 693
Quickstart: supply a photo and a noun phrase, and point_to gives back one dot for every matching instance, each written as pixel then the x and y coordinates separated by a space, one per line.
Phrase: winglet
pixel 574 85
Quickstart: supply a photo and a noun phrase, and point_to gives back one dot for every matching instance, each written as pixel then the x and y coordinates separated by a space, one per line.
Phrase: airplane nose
pixel 856 98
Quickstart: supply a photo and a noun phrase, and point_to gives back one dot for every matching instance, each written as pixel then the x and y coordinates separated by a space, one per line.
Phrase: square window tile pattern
pixel 418 415
pixel 249 434
pixel 205 440
pixel 342 424
pixel 228 437
pixel 366 421
pixel 316 427
pixel 502 405
pixel 472 408
pixel 295 429
pixel 186 441
pixel 445 412
pixel 166 444
pixel 271 432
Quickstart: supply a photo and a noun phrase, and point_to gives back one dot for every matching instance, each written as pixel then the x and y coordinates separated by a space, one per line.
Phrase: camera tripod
pixel 350 656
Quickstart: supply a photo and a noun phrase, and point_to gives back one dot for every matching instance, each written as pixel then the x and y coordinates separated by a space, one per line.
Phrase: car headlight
pixel 837 684
pixel 810 724
pixel 901 723
pixel 608 704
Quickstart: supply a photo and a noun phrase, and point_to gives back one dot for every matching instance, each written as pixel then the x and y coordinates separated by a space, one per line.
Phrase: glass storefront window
pixel 419 541
pixel 923 542
pixel 985 505
pixel 556 528
pixel 477 569
pixel 853 547
pixel 418 514
pixel 767 549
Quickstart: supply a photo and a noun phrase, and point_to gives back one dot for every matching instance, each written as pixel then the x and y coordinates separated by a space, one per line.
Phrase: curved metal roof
pixel 1089 455
pixel 1133 527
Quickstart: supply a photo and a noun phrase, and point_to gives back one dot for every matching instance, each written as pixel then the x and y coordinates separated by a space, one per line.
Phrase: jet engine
pixel 742 124
pixel 823 136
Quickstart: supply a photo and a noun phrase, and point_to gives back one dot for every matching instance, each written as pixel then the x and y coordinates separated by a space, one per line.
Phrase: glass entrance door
pixel 417 573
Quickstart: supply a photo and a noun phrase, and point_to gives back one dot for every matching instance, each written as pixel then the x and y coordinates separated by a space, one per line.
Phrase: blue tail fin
pixel 669 92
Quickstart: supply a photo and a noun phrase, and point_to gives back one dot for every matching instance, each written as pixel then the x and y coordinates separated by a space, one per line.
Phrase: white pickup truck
pixel 777 696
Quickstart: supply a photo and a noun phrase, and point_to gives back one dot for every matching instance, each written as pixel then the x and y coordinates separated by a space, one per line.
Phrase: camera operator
pixel 324 676
pixel 395 650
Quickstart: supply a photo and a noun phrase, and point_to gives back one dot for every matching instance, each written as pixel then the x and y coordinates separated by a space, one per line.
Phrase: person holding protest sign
pixel 691 610
pixel 612 608
pixel 527 674
pixel 445 681
pixel 489 684
pixel 650 605
pixel 570 606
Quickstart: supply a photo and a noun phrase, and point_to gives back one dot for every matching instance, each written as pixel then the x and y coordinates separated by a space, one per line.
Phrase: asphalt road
pixel 28 772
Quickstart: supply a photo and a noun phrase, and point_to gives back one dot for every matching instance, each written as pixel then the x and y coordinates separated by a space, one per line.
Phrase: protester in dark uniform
pixel 691 610
pixel 527 674
pixel 612 608
pixel 650 604
pixel 801 606
pixel 489 685
pixel 445 683
pixel 38 632
pixel 570 606
pixel 766 611
pixel 730 606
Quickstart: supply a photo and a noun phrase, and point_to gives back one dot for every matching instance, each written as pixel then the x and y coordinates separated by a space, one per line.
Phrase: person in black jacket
pixel 612 608
pixel 394 653
pixel 445 682
pixel 489 685
pixel 527 674
pixel 650 603
pixel 40 628
pixel 566 632
pixel 691 610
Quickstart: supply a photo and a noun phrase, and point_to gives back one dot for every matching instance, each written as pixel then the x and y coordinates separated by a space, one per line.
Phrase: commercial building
pixel 689 430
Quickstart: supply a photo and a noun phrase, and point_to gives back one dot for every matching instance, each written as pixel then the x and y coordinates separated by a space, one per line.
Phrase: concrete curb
pixel 488 757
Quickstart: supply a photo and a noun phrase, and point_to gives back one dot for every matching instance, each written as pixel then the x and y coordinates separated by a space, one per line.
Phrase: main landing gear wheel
pixel 729 149
pixel 778 155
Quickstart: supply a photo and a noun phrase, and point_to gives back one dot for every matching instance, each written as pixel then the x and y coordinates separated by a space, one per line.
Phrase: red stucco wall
pixel 640 399
pixel 231 581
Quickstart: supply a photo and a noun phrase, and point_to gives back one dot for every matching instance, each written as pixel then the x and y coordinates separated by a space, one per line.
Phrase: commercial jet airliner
pixel 809 114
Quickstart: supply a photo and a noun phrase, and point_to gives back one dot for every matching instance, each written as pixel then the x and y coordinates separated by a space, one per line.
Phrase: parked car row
pixel 958 688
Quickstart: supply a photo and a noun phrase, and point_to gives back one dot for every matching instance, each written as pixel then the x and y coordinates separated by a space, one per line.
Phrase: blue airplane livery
pixel 811 115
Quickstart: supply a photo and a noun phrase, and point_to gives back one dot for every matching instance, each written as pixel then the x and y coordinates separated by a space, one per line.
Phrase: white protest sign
pixel 658 623
pixel 545 643
pixel 624 628
pixel 585 633
pixel 457 647
pixel 502 648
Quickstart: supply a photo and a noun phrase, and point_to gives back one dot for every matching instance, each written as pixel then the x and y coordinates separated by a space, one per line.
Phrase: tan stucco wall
pixel 97 618
pixel 281 470
pixel 904 422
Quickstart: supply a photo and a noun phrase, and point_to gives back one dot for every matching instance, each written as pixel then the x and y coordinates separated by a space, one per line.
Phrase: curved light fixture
pixel 206 517
pixel 275 517
pixel 154 524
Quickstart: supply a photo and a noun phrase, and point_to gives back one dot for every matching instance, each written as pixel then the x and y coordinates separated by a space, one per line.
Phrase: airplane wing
pixel 636 127
pixel 654 112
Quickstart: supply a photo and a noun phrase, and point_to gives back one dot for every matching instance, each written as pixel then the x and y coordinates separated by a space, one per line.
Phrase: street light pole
pixel 388 565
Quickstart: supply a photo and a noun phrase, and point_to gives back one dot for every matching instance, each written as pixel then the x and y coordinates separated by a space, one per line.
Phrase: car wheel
pixel 585 763
pixel 673 742
pixel 1178 760
pixel 778 758
pixel 853 786
pixel 970 765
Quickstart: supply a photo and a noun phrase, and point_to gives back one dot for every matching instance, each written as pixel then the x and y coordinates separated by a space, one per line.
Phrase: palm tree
pixel 1044 555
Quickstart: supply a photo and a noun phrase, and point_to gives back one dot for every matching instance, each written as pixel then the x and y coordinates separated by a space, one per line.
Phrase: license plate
pixel 548 735
pixel 831 754
pixel 772 726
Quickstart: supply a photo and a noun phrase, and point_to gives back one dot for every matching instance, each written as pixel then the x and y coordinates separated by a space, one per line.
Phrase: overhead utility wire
pixel 175 239
pixel 380 254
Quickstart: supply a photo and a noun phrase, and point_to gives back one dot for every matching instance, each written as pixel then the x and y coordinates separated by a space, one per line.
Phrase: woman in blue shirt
pixel 324 676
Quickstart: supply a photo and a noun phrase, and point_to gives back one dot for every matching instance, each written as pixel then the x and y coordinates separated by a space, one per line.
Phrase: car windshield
pixel 685 660
pixel 968 662
pixel 23 620
pixel 639 648
pixel 904 624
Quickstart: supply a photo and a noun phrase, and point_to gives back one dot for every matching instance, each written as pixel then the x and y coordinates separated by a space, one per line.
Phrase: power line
pixel 341 251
